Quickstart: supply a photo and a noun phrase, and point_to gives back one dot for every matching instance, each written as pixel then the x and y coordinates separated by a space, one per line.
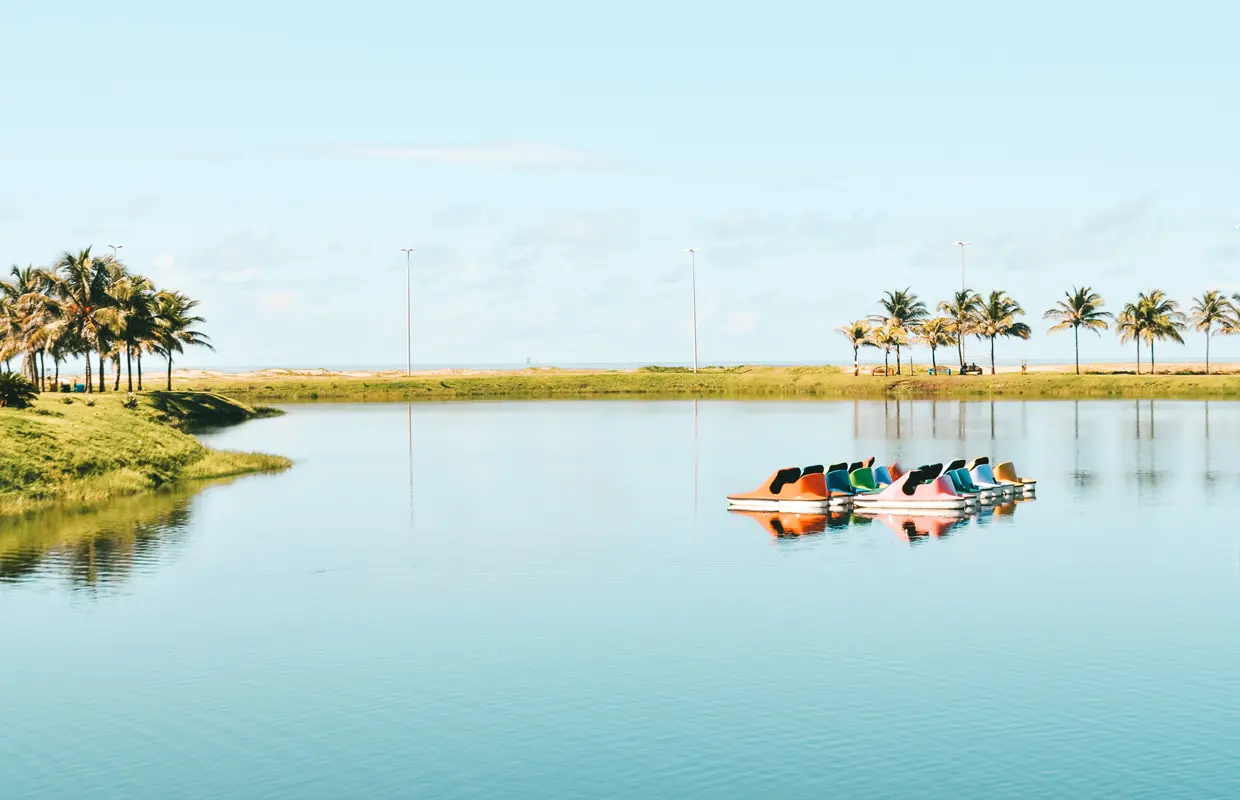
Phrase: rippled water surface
pixel 549 600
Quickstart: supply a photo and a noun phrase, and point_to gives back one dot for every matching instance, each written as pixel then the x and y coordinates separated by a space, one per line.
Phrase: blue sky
pixel 552 161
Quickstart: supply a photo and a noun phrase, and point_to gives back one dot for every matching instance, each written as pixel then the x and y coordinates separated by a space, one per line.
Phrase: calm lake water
pixel 549 600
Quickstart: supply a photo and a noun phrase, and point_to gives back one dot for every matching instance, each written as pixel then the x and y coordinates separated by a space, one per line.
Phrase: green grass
pixel 734 382
pixel 85 454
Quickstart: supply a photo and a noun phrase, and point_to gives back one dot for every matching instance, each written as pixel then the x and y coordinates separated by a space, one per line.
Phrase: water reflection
pixel 99 547
pixel 914 527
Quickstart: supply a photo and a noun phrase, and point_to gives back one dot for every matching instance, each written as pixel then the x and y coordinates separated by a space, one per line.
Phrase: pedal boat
pixel 790 490
pixel 922 489
pixel 984 476
pixel 1006 473
pixel 964 484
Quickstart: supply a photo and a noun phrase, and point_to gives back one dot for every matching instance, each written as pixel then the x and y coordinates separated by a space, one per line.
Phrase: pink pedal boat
pixel 923 489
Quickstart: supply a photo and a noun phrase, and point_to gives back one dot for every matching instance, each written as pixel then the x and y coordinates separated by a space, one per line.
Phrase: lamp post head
pixel 696 249
pixel 409 249
pixel 962 244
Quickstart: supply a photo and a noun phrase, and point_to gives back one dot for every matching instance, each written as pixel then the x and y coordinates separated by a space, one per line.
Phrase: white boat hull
pixel 782 506
pixel 912 504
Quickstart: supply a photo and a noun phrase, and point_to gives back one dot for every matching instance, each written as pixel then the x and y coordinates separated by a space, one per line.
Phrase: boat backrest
pixel 784 477
pixel 912 480
pixel 895 470
pixel 837 481
pixel 932 471
pixel 1006 472
pixel 957 464
pixel 862 478
pixel 882 477
pixel 816 469
pixel 977 462
pixel 814 482
pixel 853 467
pixel 957 484
pixel 966 480
pixel 843 465
pixel 985 473
pixel 869 462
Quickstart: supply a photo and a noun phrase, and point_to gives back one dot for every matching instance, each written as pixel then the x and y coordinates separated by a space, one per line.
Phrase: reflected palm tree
pixel 1081 478
pixel 97 547
pixel 1210 479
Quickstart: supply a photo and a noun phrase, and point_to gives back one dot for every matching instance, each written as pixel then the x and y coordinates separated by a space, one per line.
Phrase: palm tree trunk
pixel 1151 355
pixel 886 360
pixel 90 387
pixel 992 355
pixel 43 362
pixel 1207 349
pixel 170 372
pixel 934 367
pixel 1076 336
pixel 139 370
pixel 898 362
pixel 129 365
pixel 116 363
pixel 56 380
pixel 1138 338
pixel 103 386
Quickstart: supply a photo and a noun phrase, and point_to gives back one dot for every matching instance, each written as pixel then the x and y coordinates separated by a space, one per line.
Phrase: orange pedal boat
pixel 790 490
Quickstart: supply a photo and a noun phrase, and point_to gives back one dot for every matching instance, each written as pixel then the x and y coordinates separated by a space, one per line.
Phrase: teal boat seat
pixel 838 483
pixel 966 480
pixel 962 485
pixel 882 476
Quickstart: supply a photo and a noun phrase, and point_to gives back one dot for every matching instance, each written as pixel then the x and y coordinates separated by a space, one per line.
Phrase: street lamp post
pixel 693 251
pixel 408 251
pixel 963 245
pixel 115 250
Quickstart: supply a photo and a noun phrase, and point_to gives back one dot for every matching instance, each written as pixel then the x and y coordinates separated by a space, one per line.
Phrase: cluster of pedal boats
pixel 957 487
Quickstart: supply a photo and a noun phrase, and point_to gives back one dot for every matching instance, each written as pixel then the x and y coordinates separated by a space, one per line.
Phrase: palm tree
pixel 859 333
pixel 902 310
pixel 1081 308
pixel 997 317
pixel 962 310
pixel 82 283
pixel 174 327
pixel 21 291
pixel 1161 317
pixel 887 337
pixel 937 332
pixel 134 296
pixel 1212 308
pixel 9 339
pixel 1130 326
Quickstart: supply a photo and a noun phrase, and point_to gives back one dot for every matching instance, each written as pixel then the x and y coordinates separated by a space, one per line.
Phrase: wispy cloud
pixel 500 154
pixel 1101 235
pixel 857 230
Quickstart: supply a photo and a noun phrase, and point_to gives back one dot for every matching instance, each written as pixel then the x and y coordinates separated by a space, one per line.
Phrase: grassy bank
pixel 735 382
pixel 92 449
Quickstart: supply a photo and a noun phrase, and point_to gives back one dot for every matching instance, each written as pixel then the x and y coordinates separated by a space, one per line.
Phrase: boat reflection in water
pixel 913 527
pixel 790 526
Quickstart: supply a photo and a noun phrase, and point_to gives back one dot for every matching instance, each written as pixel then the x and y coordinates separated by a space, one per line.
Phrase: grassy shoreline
pixel 82 455
pixel 733 382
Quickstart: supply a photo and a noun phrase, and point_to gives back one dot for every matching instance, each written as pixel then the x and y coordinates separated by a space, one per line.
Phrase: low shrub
pixel 16 391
